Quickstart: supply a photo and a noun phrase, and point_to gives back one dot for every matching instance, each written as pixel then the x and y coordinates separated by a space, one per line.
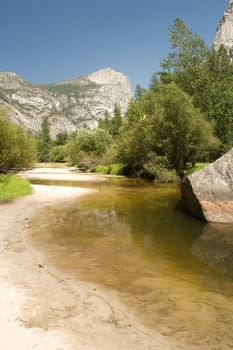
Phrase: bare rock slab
pixel 208 194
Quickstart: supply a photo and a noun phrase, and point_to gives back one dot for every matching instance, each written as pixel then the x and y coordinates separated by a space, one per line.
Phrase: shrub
pixel 58 154
pixel 118 169
pixel 102 169
pixel 191 169
pixel 158 167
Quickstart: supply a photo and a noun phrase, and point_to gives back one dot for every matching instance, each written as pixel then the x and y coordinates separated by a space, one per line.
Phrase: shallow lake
pixel 132 237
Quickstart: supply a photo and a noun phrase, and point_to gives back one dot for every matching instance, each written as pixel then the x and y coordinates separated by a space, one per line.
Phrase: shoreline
pixel 46 310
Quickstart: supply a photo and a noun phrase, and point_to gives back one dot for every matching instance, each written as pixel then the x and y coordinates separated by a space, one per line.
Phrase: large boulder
pixel 208 193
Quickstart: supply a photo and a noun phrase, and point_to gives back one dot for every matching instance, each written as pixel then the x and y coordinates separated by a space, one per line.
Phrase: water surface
pixel 132 237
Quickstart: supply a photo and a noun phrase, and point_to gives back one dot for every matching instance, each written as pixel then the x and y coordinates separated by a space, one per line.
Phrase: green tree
pixel 167 126
pixel 58 154
pixel 133 113
pixel 88 146
pixel 105 122
pixel 139 91
pixel 102 140
pixel 189 51
pixel 61 138
pixel 183 63
pixel 116 121
pixel 112 124
pixel 181 132
pixel 206 75
pixel 133 146
pixel 44 143
pixel 17 149
pixel 81 143
pixel 213 94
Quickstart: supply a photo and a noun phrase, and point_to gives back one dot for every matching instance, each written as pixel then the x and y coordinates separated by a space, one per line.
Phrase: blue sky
pixel 52 40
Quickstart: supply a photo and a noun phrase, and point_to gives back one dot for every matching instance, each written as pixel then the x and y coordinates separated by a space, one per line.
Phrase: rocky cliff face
pixel 68 104
pixel 224 32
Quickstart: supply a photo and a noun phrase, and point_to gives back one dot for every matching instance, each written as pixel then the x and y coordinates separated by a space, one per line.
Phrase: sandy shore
pixel 43 310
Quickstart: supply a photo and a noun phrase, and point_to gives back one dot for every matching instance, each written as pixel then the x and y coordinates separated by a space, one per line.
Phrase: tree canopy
pixel 168 126
pixel 17 149
pixel 206 75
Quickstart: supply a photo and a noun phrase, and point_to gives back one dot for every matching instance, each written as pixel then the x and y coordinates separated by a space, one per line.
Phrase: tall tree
pixel 44 141
pixel 139 91
pixel 181 132
pixel 206 75
pixel 213 94
pixel 116 121
pixel 188 49
pixel 167 126
pixel 187 55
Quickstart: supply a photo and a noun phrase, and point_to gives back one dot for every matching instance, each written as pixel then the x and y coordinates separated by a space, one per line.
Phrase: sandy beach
pixel 42 309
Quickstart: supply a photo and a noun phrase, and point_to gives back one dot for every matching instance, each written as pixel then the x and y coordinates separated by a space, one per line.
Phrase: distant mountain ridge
pixel 68 104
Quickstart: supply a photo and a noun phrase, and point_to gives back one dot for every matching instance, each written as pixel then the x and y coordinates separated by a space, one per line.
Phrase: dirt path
pixel 42 310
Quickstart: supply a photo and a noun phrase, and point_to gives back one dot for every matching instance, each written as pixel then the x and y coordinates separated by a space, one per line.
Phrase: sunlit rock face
pixel 208 193
pixel 69 104
pixel 224 32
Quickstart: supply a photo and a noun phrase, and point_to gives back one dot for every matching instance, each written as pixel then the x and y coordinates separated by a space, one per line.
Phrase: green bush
pixel 13 186
pixel 88 146
pixel 102 169
pixel 166 175
pixel 117 169
pixel 191 169
pixel 113 169
pixel 158 167
pixel 58 154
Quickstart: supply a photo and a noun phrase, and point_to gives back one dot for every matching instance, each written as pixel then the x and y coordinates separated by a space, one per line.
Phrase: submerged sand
pixel 42 309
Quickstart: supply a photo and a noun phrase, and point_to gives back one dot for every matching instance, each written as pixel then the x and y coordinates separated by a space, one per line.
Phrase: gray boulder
pixel 208 194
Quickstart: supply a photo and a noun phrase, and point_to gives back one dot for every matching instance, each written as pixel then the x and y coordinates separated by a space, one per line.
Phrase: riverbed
pixel 132 239
pixel 44 309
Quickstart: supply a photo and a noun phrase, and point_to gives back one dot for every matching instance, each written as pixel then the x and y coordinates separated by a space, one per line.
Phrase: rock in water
pixel 208 194
pixel 224 32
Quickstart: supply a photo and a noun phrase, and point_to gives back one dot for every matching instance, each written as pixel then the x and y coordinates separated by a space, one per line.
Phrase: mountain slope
pixel 68 104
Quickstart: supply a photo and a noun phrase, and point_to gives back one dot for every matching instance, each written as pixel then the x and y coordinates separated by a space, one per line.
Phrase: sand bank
pixel 40 308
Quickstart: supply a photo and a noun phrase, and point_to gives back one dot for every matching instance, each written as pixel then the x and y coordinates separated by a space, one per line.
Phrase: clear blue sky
pixel 51 40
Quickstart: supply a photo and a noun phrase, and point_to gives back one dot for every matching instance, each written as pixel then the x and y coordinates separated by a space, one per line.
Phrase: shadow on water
pixel 131 237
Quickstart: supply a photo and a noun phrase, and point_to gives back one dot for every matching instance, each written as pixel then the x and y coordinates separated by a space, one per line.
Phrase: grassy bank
pixel 12 186
pixel 112 169
pixel 198 166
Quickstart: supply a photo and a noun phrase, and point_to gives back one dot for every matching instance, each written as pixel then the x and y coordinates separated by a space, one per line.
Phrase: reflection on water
pixel 215 247
pixel 131 237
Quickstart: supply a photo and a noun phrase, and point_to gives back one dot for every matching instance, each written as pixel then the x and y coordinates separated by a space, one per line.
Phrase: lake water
pixel 132 237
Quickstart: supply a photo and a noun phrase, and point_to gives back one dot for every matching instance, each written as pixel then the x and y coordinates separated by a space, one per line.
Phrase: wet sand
pixel 43 309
